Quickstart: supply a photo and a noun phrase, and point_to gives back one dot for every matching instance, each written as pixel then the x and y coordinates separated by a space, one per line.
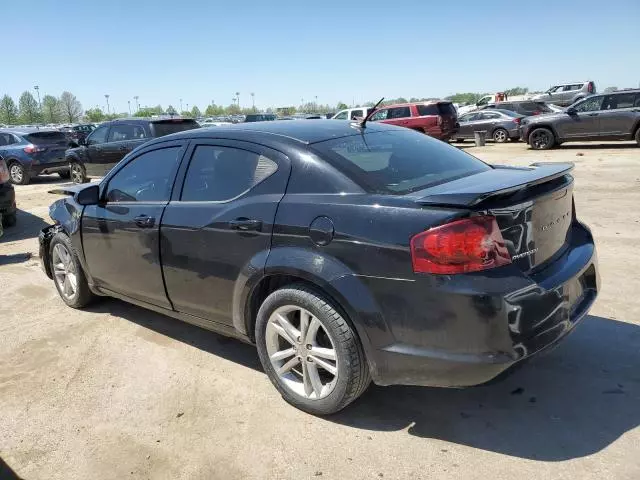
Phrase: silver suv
pixel 610 116
pixel 567 93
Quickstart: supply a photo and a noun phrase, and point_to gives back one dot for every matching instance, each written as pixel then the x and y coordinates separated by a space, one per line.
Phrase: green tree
pixel 51 109
pixel 232 109
pixel 511 92
pixel 8 111
pixel 171 110
pixel 70 107
pixel 185 113
pixel 28 108
pixel 341 106
pixel 469 97
pixel 195 112
pixel 95 115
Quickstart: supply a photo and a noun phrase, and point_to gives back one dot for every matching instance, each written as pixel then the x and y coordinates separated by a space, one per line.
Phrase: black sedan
pixel 500 125
pixel 346 253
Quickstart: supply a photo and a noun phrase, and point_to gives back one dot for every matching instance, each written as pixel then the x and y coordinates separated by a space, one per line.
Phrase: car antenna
pixel 362 123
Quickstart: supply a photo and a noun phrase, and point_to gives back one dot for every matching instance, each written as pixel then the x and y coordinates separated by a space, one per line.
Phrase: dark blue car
pixel 31 151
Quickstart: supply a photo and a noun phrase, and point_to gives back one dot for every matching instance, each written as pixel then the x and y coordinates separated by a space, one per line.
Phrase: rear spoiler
pixel 500 180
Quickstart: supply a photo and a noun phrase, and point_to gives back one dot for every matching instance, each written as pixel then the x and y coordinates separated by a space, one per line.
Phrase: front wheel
pixel 309 351
pixel 68 275
pixel 78 173
pixel 500 135
pixel 541 139
pixel 637 136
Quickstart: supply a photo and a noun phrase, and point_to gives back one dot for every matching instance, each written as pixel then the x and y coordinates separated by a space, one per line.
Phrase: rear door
pixel 121 235
pixel 218 225
pixel 619 114
pixel 400 116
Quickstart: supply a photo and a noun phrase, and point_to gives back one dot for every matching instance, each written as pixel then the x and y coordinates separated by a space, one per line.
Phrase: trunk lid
pixel 533 207
pixel 48 145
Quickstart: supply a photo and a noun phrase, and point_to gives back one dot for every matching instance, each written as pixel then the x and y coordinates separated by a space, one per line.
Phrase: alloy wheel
pixel 500 136
pixel 64 271
pixel 77 175
pixel 540 139
pixel 301 352
pixel 16 172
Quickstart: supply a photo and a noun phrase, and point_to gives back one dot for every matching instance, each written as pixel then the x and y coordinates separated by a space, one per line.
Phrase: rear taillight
pixel 31 148
pixel 517 120
pixel 4 172
pixel 462 246
pixel 590 87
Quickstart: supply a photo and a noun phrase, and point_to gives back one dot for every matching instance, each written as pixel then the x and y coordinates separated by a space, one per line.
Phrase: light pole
pixel 129 103
pixel 106 96
pixel 253 101
pixel 315 107
pixel 187 107
pixel 37 89
pixel 238 98
pixel 181 106
pixel 137 105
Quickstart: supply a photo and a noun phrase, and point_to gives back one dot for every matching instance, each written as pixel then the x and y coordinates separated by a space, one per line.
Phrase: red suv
pixel 436 119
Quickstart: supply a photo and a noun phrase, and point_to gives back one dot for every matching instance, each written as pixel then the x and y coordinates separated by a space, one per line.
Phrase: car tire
pixel 459 140
pixel 78 173
pixel 68 275
pixel 500 135
pixel 9 220
pixel 65 174
pixel 300 381
pixel 18 174
pixel 637 136
pixel 541 139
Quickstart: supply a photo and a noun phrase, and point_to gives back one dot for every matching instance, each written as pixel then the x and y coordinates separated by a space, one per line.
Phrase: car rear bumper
pixel 49 167
pixel 467 329
pixel 7 199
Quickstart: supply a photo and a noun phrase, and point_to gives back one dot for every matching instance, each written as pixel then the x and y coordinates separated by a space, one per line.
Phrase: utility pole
pixel 315 107
pixel 180 106
pixel 137 105
pixel 238 98
pixel 253 101
pixel 187 107
pixel 37 89
pixel 129 103
pixel 106 95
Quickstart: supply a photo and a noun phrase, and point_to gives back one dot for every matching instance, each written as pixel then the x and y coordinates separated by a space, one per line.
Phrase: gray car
pixel 567 93
pixel 612 116
pixel 500 125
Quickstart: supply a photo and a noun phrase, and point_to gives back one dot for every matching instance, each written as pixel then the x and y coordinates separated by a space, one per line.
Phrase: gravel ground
pixel 119 392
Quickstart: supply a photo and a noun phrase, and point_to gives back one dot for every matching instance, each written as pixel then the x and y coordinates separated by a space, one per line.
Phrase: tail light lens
pixel 4 172
pixel 31 148
pixel 461 246
pixel 517 120
pixel 590 87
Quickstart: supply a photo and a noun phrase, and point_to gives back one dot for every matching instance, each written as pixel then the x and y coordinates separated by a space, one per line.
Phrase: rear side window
pixel 621 100
pixel 424 110
pixel 398 162
pixel 46 137
pixel 126 131
pixel 147 178
pixel 531 107
pixel 6 139
pixel 219 174
pixel 341 116
pixel 166 127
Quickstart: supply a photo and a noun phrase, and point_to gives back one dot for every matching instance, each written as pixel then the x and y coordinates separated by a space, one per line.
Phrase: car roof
pixel 629 90
pixel 145 120
pixel 306 132
pixel 27 130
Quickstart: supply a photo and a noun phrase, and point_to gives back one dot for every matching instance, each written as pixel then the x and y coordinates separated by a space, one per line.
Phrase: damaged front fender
pixel 44 238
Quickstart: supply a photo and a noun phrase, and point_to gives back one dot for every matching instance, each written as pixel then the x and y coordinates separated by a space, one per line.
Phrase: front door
pixel 123 137
pixel 121 235
pixel 94 154
pixel 583 122
pixel 219 228
pixel 467 125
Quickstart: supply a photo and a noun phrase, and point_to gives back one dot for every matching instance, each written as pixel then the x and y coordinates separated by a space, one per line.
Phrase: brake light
pixel 590 87
pixel 461 246
pixel 4 172
pixel 31 148
pixel 517 120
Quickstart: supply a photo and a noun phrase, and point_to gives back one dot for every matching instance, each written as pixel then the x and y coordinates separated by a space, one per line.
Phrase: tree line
pixel 65 108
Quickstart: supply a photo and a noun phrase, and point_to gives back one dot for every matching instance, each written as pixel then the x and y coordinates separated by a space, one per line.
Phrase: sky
pixel 285 51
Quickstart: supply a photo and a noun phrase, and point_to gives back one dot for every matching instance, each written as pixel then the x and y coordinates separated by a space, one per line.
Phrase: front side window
pixel 147 178
pixel 218 174
pixel 341 116
pixel 397 162
pixel 592 104
pixel 98 136
pixel 358 113
pixel 380 115
pixel 399 112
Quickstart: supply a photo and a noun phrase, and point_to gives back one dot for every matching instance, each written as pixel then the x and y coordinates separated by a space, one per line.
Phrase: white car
pixel 352 113
pixel 211 123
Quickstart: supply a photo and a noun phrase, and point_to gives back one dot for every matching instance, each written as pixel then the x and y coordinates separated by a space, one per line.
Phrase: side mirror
pixel 571 111
pixel 89 195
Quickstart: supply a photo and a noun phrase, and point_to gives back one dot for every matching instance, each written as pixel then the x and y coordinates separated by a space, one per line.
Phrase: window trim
pixel 221 143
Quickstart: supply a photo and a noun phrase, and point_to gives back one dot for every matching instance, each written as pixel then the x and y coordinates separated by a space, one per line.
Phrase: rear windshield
pixel 398 162
pixel 166 127
pixel 45 137
pixel 436 109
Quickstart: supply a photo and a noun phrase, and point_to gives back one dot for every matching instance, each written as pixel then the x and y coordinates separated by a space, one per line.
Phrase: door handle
pixel 144 221
pixel 245 224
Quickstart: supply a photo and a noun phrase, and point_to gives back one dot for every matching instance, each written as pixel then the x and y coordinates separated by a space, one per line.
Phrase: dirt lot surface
pixel 119 392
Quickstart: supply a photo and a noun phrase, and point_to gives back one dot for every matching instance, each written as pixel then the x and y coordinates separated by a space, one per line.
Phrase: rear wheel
pixel 68 275
pixel 78 173
pixel 18 173
pixel 309 351
pixel 637 136
pixel 541 139
pixel 500 135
